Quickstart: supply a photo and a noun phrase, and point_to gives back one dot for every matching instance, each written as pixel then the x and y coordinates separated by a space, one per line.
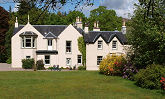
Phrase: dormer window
pixel 114 44
pixel 100 44
pixel 28 39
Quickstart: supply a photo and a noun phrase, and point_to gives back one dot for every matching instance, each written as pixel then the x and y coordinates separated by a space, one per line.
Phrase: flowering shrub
pixel 112 65
pixel 129 71
pixel 150 77
pixel 162 81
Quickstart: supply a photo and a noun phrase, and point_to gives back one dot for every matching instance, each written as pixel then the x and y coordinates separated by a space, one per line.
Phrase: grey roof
pixel 44 29
pixel 107 36
pixel 28 33
pixel 50 35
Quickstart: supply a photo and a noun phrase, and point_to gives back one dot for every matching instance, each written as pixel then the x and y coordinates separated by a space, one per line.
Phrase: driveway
pixel 7 67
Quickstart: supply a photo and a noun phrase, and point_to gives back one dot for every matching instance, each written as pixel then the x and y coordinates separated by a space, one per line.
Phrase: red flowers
pixel 162 81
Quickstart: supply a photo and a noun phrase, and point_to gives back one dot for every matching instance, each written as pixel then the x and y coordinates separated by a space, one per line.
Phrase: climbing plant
pixel 82 49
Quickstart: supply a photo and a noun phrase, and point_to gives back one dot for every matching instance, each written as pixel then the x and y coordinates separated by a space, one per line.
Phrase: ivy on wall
pixel 82 49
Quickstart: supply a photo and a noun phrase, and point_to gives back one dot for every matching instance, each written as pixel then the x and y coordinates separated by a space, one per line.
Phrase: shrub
pixel 81 68
pixel 40 65
pixel 162 81
pixel 129 71
pixel 112 65
pixel 8 60
pixel 150 77
pixel 51 68
pixel 27 63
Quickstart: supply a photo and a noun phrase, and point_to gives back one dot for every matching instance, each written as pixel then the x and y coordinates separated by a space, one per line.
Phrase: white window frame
pixel 79 58
pixel 100 43
pixel 68 46
pixel 99 60
pixel 32 42
pixel 68 64
pixel 46 59
pixel 114 45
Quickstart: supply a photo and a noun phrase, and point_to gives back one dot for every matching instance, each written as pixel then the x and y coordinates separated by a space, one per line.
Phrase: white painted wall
pixel 93 52
pixel 69 34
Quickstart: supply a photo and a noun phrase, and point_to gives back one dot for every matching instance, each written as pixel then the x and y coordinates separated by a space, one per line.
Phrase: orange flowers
pixel 162 81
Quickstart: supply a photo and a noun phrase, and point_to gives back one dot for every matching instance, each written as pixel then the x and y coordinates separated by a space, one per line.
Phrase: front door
pixel 49 44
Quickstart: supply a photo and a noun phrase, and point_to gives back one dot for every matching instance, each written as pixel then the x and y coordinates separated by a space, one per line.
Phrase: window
pixel 47 60
pixel 28 42
pixel 68 61
pixel 27 57
pixel 100 44
pixel 49 42
pixel 68 46
pixel 79 59
pixel 99 59
pixel 114 45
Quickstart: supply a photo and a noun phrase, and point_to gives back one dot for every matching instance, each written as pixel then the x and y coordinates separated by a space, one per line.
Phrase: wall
pixel 93 52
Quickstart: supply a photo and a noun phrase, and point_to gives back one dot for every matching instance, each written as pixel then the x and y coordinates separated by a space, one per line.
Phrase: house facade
pixel 58 45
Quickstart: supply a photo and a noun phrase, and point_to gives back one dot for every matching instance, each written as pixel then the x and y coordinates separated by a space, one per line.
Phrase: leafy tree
pixel 147 35
pixel 71 17
pixel 4 25
pixel 108 19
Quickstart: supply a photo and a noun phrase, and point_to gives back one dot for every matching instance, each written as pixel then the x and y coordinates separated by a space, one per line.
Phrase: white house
pixel 58 45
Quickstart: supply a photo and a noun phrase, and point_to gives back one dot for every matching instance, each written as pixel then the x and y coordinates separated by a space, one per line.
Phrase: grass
pixel 70 85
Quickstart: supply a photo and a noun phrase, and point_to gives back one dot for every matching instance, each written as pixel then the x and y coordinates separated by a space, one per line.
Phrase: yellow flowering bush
pixel 112 65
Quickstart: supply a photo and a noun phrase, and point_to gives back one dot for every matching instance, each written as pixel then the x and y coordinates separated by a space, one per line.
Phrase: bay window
pixel 28 42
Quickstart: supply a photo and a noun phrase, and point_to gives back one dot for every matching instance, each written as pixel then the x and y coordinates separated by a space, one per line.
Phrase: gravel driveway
pixel 7 67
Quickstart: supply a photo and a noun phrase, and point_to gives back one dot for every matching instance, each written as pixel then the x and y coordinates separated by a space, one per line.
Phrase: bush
pixel 81 68
pixel 129 71
pixel 162 81
pixel 112 65
pixel 8 60
pixel 27 63
pixel 51 68
pixel 40 65
pixel 150 77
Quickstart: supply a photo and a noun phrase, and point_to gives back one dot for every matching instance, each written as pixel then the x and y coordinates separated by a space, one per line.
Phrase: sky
pixel 123 8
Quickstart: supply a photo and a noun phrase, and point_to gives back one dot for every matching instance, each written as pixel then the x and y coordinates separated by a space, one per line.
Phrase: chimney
pixel 16 23
pixel 79 22
pixel 86 29
pixel 124 27
pixel 96 26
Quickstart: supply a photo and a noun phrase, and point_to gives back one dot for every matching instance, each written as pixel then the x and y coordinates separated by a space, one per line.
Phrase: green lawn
pixel 70 85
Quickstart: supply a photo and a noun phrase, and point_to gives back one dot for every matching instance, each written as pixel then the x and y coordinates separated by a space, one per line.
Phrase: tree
pixel 4 25
pixel 108 19
pixel 147 35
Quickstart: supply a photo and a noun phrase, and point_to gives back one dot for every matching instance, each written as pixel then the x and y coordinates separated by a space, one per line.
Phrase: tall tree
pixel 147 34
pixel 4 26
pixel 108 19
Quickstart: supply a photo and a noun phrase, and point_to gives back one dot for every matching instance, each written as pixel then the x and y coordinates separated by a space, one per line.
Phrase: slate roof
pixel 44 29
pixel 28 33
pixel 107 36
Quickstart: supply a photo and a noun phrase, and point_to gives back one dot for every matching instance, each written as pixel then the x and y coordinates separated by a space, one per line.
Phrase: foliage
pixel 112 65
pixel 129 71
pixel 162 81
pixel 147 34
pixel 8 36
pixel 27 63
pixel 82 49
pixel 8 60
pixel 4 26
pixel 50 68
pixel 108 19
pixel 82 68
pixel 150 77
pixel 40 65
